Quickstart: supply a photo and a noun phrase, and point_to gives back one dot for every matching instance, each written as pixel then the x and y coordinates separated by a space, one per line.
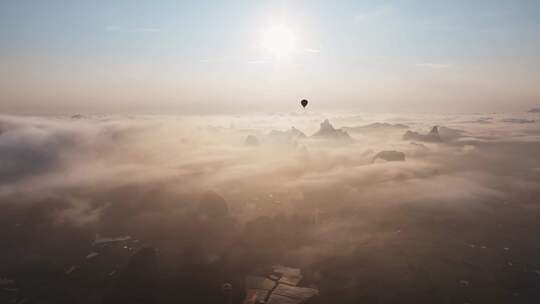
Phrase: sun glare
pixel 279 41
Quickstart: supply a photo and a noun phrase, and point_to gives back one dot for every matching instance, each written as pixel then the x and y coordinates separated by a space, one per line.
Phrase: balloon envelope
pixel 304 103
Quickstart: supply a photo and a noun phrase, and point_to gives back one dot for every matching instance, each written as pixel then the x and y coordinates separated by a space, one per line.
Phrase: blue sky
pixel 206 56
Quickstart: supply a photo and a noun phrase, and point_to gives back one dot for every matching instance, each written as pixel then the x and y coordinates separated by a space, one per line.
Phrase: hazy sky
pixel 243 56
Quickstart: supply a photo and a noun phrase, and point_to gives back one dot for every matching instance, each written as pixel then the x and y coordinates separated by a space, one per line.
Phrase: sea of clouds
pixel 65 179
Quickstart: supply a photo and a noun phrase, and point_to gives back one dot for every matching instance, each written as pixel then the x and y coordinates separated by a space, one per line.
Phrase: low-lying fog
pixel 445 215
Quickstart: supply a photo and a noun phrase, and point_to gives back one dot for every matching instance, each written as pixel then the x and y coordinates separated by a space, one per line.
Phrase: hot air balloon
pixel 304 103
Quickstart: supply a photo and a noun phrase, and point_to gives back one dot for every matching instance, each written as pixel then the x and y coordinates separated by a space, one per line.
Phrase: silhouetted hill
pixel 327 131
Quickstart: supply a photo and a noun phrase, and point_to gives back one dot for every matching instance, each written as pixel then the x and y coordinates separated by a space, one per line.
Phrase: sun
pixel 279 41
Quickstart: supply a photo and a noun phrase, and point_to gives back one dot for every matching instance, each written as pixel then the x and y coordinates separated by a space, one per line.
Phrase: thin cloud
pixel 256 61
pixel 115 28
pixel 375 13
pixel 434 65
pixel 309 50
pixel 112 28
pixel 146 30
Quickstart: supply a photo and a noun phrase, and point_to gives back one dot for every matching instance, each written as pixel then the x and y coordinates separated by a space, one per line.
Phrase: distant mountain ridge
pixel 376 127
